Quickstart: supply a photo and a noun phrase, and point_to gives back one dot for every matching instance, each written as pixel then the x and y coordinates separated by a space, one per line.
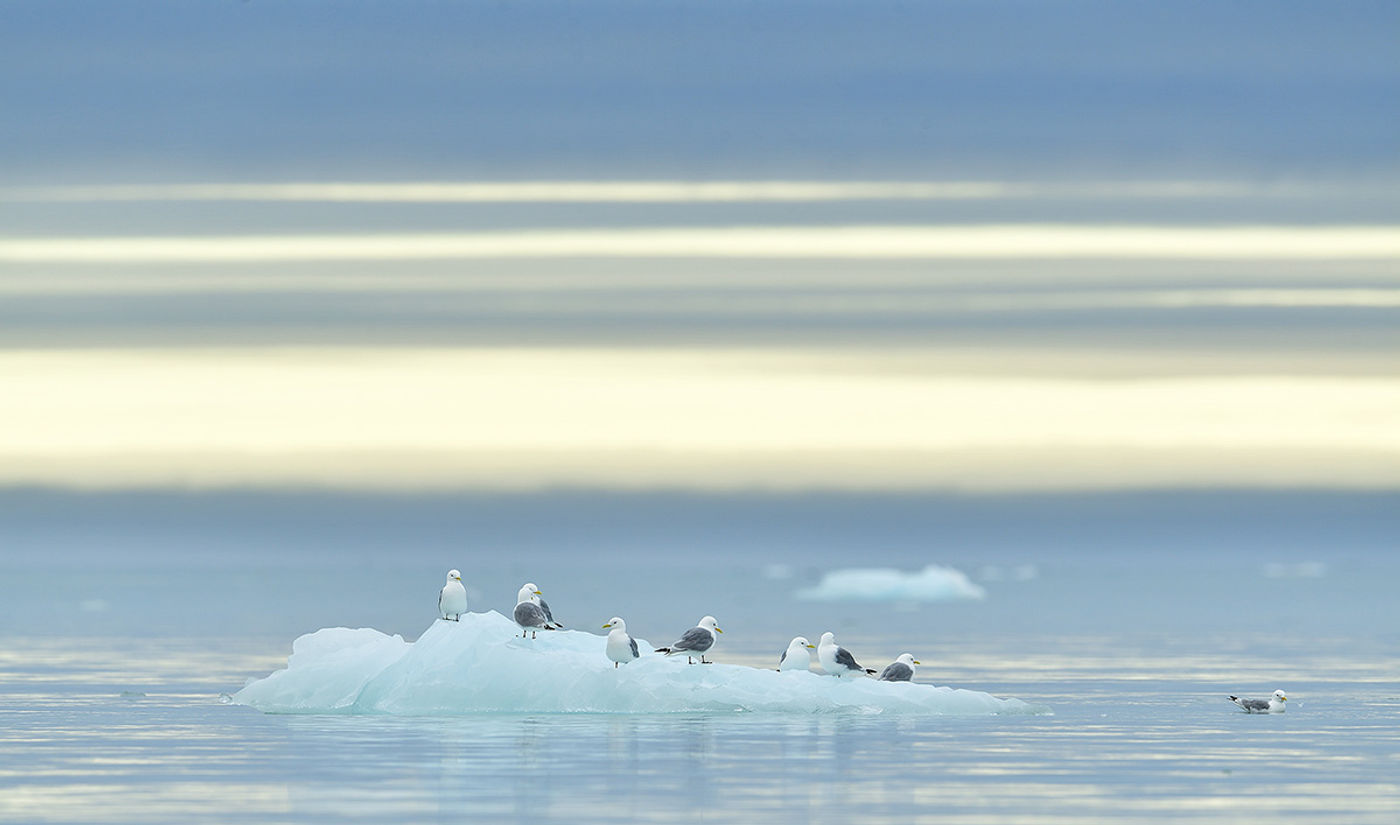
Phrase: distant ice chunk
pixel 867 584
pixel 480 665
pixel 1296 570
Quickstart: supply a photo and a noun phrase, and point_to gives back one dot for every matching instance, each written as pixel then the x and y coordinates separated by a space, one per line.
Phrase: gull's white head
pixel 528 593
pixel 801 641
pixel 828 638
pixel 617 623
pixel 454 576
pixel 908 659
pixel 709 624
pixel 1278 694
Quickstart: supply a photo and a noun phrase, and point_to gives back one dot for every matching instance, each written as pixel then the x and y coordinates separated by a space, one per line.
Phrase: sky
pixel 998 246
pixel 223 91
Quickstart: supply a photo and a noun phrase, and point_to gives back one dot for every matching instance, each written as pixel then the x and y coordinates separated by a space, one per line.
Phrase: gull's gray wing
pixel 441 593
pixel 845 659
pixel 544 608
pixel 528 614
pixel 897 672
pixel 633 642
pixel 697 639
pixel 782 658
pixel 1254 704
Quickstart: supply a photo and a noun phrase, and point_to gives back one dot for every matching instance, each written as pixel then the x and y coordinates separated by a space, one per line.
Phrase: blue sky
pixel 141 91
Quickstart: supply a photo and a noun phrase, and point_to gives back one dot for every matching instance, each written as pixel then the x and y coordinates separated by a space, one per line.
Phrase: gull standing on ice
pixel 544 606
pixel 621 647
pixel 796 656
pixel 1274 704
pixel 452 601
pixel 900 670
pixel 530 613
pixel 837 660
pixel 696 641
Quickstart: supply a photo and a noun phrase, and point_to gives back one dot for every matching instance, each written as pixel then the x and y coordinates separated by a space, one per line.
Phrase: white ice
pixel 481 665
pixel 933 583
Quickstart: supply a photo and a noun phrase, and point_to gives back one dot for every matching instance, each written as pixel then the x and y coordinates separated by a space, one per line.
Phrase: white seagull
pixel 900 670
pixel 796 656
pixel 621 647
pixel 837 660
pixel 452 600
pixel 531 613
pixel 695 642
pixel 1274 704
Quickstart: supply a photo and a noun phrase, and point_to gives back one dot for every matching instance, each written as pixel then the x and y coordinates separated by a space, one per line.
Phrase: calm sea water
pixel 117 652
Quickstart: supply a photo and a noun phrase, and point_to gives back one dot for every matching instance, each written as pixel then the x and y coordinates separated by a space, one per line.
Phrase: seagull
pixel 696 641
pixel 837 660
pixel 530 612
pixel 621 647
pixel 1274 704
pixel 900 670
pixel 544 605
pixel 452 601
pixel 796 656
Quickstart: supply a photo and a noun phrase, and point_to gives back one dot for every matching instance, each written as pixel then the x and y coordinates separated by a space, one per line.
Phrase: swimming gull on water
pixel 695 642
pixel 1274 704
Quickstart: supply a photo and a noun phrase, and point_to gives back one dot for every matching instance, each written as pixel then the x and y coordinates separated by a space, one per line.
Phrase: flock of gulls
pixel 532 614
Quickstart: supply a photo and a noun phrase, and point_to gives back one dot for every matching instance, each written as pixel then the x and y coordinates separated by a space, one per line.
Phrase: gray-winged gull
pixel 452 600
pixel 530 614
pixel 621 647
pixel 696 641
pixel 796 656
pixel 1274 704
pixel 837 660
pixel 900 670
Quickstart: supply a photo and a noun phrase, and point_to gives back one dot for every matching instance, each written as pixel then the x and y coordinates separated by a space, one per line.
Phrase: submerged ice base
pixel 481 665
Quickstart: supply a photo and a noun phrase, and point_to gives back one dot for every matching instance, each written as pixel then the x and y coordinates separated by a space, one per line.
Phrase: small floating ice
pixel 933 583
pixel 480 665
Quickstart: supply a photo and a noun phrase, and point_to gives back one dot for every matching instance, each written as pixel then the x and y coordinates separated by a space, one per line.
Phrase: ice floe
pixel 933 583
pixel 481 665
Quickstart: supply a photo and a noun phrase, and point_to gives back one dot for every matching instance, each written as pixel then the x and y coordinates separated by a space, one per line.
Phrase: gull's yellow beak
pixel 539 592
pixel 1283 698
pixel 917 662
pixel 717 630
pixel 811 647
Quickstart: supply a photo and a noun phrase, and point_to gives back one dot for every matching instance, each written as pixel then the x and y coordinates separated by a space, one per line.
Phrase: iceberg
pixel 933 583
pixel 481 665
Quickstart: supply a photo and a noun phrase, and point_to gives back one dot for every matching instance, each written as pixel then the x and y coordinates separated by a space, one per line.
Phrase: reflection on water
pixel 111 732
